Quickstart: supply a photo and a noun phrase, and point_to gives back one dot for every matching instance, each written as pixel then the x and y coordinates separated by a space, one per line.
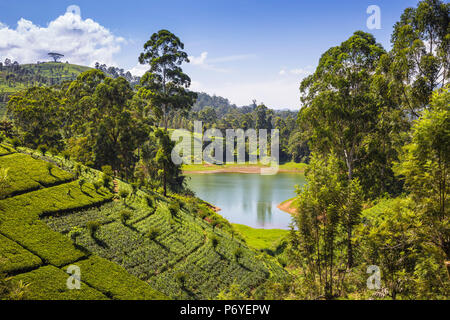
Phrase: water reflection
pixel 249 199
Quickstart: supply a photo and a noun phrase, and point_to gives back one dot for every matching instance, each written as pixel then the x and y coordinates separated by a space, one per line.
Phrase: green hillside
pixel 166 248
pixel 16 78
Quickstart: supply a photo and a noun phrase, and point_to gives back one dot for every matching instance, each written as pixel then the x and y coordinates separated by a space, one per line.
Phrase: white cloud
pixel 81 41
pixel 196 61
pixel 139 69
pixel 210 64
pixel 300 72
pixel 303 72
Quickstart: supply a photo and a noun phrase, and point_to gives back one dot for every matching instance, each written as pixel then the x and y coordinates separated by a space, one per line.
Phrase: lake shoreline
pixel 286 206
pixel 244 169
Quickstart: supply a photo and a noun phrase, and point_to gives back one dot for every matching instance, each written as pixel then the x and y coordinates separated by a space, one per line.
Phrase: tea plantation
pixel 132 244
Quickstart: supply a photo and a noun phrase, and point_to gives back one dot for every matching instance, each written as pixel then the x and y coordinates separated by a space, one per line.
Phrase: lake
pixel 249 199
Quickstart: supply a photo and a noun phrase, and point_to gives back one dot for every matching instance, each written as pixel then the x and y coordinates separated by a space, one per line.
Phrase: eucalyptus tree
pixel 165 85
pixel 420 58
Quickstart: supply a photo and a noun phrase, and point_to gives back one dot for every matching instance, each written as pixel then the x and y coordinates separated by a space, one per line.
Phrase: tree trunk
pixel 165 183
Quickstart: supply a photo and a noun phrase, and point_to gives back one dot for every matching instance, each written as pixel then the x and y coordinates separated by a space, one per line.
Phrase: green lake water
pixel 249 199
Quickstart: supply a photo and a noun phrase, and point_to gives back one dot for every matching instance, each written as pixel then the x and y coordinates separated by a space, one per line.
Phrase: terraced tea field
pixel 34 253
pixel 144 247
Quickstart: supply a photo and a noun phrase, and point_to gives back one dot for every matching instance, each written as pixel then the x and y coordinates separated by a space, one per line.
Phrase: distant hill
pixel 16 77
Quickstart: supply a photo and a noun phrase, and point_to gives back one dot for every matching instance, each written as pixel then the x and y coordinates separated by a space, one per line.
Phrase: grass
pixel 262 239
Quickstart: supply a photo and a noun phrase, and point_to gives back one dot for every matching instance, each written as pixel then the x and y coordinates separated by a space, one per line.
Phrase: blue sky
pixel 242 50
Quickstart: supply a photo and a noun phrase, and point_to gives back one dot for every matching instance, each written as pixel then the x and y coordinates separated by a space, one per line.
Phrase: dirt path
pixel 287 207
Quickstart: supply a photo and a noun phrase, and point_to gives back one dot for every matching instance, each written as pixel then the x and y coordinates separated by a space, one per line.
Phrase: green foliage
pixel 181 247
pixel 262 239
pixel 37 113
pixel 150 201
pixel 392 237
pixel 10 290
pixel 32 174
pixel 107 170
pixel 425 164
pixel 328 209
pixel 214 242
pixel 42 149
pixel 237 253
pixel 74 233
pixel 113 281
pixel 153 233
pixel 165 85
pixel 234 292
pixel 49 283
pixel 123 193
pixel 97 185
pixel 16 142
pixel 125 215
pixel 15 258
pixel 421 43
pixel 174 208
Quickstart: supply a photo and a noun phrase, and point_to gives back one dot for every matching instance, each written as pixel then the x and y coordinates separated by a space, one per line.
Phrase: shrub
pixel 81 183
pixel 49 167
pixel 124 194
pixel 174 208
pixel 106 181
pixel 77 169
pixel 215 223
pixel 108 170
pixel 74 233
pixel 214 242
pixel 93 227
pixel 181 278
pixel 53 151
pixel 2 138
pixel 150 201
pixel 237 253
pixel 16 142
pixel 97 185
pixel 66 155
pixel 125 215
pixel 134 188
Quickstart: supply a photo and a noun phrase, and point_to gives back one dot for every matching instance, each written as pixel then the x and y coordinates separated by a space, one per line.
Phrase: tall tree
pixel 37 113
pixel 158 164
pixel 340 110
pixel 165 84
pixel 102 112
pixel 325 205
pixel 420 57
pixel 425 165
